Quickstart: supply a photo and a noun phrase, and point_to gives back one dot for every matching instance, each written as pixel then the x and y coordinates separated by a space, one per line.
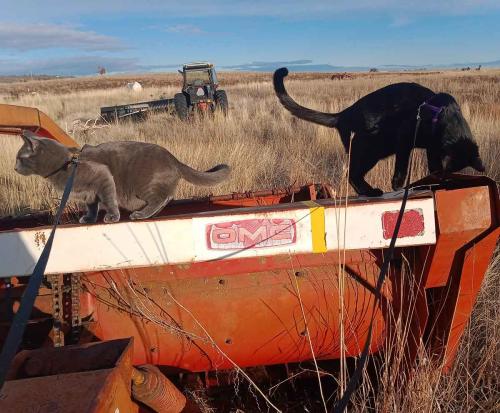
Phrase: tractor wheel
pixel 221 101
pixel 181 106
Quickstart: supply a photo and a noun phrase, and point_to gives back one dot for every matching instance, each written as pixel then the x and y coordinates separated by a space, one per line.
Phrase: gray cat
pixel 136 176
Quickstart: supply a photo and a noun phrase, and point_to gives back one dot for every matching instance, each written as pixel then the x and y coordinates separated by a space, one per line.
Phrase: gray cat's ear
pixel 477 164
pixel 30 139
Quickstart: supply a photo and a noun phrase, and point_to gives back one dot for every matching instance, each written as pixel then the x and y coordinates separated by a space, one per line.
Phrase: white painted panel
pixel 364 229
pixel 96 247
pixel 220 235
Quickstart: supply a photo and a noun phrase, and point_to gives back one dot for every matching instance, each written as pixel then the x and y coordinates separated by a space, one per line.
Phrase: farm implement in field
pixel 200 91
pixel 236 281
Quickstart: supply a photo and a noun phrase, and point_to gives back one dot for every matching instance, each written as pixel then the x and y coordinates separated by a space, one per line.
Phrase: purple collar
pixel 436 110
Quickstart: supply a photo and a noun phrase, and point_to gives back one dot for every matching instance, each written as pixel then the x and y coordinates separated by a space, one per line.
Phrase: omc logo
pixel 251 233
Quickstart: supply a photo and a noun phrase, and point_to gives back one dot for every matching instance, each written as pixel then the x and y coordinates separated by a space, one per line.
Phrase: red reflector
pixel 412 224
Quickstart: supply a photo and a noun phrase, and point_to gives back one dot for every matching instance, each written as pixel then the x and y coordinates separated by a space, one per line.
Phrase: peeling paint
pixel 40 239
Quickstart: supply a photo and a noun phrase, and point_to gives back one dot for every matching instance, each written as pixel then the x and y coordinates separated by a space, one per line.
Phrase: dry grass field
pixel 268 148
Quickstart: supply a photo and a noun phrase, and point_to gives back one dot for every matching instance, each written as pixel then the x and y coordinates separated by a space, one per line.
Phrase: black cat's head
pixel 462 154
pixel 39 156
pixel 458 146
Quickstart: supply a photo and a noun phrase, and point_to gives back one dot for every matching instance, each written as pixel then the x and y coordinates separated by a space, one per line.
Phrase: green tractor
pixel 200 90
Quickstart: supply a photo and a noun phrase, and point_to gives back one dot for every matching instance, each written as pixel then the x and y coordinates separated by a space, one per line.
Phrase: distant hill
pixel 26 78
pixel 308 66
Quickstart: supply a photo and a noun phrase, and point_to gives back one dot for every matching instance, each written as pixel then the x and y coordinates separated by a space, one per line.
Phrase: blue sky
pixel 74 37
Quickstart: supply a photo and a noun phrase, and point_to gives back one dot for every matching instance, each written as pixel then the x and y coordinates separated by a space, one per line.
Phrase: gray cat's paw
pixel 110 218
pixel 86 219
pixel 137 215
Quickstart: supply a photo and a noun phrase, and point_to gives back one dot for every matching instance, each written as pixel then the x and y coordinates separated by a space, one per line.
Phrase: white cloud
pixel 184 29
pixel 24 37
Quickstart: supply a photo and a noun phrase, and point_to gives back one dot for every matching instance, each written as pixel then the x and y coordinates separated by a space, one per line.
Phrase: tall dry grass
pixel 265 145
pixel 266 148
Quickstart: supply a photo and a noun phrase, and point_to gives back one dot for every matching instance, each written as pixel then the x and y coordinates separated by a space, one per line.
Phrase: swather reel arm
pixel 13 119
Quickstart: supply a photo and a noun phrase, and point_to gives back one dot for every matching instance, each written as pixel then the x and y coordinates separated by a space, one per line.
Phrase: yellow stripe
pixel 317 213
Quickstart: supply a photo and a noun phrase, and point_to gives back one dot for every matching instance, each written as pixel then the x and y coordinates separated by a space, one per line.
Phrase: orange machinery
pixel 245 279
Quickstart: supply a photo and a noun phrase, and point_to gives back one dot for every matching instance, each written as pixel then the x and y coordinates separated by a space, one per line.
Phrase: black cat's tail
pixel 326 119
pixel 213 176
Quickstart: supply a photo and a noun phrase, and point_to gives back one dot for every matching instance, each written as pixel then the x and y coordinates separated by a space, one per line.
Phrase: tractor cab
pixel 198 74
pixel 200 82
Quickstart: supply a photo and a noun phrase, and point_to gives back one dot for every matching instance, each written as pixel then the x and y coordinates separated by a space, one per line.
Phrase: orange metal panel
pixel 468 221
pixel 477 259
pixel 255 318
pixel 458 297
pixel 462 215
pixel 13 119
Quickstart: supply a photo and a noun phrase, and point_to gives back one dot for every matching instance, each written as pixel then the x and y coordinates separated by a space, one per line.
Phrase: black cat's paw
pixel 398 182
pixel 111 218
pixel 88 219
pixel 373 192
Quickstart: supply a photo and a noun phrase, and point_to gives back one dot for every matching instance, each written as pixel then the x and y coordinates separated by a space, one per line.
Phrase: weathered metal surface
pixel 94 378
pixel 13 119
pixel 254 318
pixel 250 307
pixel 239 296
pixel 476 259
pixel 295 228
pixel 468 214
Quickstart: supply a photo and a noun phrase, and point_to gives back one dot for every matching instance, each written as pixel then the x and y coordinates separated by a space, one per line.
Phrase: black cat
pixel 383 123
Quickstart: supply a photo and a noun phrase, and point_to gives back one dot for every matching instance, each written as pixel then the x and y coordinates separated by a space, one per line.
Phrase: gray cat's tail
pixel 326 119
pixel 213 176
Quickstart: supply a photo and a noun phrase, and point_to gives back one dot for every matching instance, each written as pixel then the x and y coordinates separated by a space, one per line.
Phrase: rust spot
pixel 40 239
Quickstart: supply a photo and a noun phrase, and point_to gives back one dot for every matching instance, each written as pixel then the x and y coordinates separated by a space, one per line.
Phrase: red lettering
pixel 251 233
pixel 280 231
pixel 249 238
pixel 223 235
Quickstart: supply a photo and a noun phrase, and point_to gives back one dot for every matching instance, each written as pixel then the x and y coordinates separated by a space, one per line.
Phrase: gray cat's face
pixel 39 156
